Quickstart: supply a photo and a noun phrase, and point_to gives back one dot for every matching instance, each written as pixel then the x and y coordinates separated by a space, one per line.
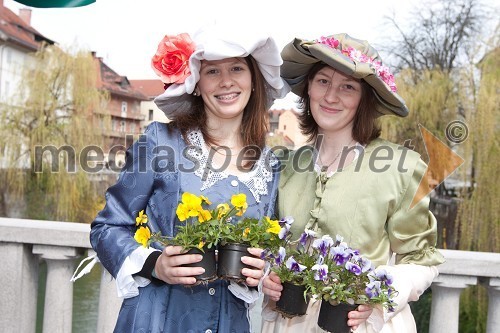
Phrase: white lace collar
pixel 255 180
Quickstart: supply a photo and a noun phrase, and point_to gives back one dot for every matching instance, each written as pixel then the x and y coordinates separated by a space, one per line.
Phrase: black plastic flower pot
pixel 208 262
pixel 292 302
pixel 229 263
pixel 333 318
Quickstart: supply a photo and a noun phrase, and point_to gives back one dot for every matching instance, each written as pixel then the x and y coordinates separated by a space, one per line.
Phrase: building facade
pixel 18 39
pixel 124 110
pixel 284 129
pixel 149 110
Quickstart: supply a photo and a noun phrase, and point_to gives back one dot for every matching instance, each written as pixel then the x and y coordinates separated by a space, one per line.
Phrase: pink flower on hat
pixel 171 61
pixel 383 72
pixel 330 41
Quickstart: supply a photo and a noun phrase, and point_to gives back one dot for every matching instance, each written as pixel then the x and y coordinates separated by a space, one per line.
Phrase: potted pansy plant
pixel 240 234
pixel 205 230
pixel 199 234
pixel 292 263
pixel 343 279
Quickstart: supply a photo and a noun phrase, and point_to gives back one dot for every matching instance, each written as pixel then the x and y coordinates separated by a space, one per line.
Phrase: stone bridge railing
pixel 24 243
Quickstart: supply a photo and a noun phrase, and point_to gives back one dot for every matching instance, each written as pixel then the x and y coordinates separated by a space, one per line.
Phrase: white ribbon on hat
pixel 216 43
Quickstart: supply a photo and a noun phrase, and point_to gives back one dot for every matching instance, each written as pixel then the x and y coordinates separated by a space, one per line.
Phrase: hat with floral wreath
pixel 348 55
pixel 178 59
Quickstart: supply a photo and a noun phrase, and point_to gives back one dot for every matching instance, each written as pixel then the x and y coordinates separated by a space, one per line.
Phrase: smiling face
pixel 225 86
pixel 334 99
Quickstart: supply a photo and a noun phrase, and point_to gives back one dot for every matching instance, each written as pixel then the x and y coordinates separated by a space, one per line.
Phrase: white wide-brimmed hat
pixel 178 62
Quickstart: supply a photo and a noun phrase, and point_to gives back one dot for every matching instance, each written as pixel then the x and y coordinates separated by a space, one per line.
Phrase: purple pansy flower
pixel 281 256
pixel 373 289
pixel 353 268
pixel 321 272
pixel 323 244
pixel 382 275
pixel 340 255
pixel 307 234
pixel 366 264
pixel 285 224
pixel 294 266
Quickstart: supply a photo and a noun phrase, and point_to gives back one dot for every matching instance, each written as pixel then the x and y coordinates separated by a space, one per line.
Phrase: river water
pixel 85 300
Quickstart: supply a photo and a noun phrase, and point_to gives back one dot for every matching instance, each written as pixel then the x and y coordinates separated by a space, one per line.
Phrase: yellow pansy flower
pixel 182 212
pixel 142 236
pixel 191 204
pixel 191 201
pixel 246 232
pixel 205 200
pixel 222 209
pixel 275 227
pixel 239 200
pixel 141 219
pixel 201 244
pixel 204 215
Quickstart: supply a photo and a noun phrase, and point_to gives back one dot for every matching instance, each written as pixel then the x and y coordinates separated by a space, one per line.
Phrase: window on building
pixel 124 109
pixel 114 125
pixel 122 126
pixel 150 116
pixel 132 128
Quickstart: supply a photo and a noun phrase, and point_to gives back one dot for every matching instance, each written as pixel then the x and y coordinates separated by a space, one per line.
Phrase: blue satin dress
pixel 159 167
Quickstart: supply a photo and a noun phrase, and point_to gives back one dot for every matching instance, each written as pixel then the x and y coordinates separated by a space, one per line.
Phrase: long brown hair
pixel 365 127
pixel 254 123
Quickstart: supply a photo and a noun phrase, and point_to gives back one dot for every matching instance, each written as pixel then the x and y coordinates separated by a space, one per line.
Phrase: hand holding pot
pixel 168 266
pixel 272 286
pixel 359 316
pixel 256 271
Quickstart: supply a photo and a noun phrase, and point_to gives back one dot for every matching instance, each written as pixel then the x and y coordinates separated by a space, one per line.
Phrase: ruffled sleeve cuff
pixel 428 256
pixel 127 284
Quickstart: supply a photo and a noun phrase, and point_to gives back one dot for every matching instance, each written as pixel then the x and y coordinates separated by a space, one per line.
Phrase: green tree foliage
pixel 479 214
pixel 432 102
pixel 441 80
pixel 54 106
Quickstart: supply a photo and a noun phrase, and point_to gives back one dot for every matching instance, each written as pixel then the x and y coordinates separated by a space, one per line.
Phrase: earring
pixel 308 113
pixel 195 93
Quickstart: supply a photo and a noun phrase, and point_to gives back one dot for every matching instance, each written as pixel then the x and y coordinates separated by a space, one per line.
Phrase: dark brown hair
pixel 254 122
pixel 365 128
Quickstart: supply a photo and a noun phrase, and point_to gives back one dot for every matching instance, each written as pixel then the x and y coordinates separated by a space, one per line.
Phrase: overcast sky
pixel 125 33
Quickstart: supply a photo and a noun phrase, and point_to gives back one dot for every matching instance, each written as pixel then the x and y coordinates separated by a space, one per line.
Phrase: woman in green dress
pixel 351 183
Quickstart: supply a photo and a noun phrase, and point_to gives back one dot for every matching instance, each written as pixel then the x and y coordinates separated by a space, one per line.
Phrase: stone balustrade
pixel 24 243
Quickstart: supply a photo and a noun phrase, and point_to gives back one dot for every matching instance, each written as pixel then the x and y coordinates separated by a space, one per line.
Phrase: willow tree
pixel 441 80
pixel 54 107
pixel 479 213
pixel 484 144
pixel 438 53
pixel 432 102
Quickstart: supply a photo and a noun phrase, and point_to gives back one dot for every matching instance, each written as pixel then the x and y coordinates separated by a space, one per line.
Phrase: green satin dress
pixel 367 203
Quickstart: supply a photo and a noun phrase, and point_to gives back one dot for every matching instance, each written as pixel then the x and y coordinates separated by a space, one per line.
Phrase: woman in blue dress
pixel 219 86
